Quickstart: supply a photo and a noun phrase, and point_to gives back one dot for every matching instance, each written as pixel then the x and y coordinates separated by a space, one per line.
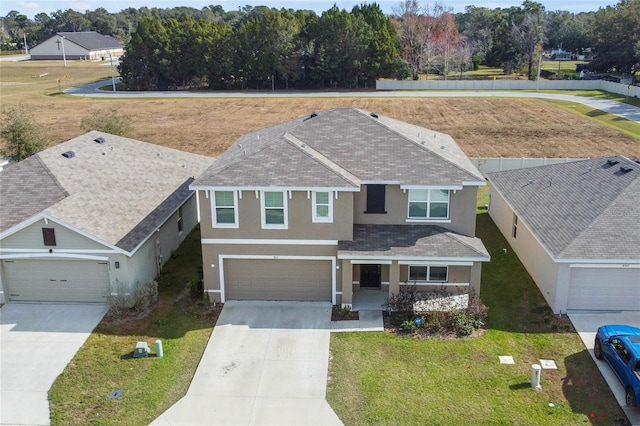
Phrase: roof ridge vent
pixel 312 115
pixel 99 140
pixel 69 154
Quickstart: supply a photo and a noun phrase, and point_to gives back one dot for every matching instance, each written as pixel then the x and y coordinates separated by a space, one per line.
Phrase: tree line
pixel 261 47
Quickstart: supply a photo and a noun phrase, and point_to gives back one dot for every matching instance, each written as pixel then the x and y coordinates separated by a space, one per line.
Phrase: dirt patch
pixel 343 315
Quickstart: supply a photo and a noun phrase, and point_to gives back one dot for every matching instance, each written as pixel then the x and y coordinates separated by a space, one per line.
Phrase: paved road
pixel 626 111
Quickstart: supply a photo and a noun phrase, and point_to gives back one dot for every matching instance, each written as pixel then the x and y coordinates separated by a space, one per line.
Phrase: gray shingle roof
pixel 371 149
pixel 580 210
pixel 411 241
pixel 91 40
pixel 118 191
pixel 27 188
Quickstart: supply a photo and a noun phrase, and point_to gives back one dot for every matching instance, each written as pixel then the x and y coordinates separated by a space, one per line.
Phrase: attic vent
pixel 612 161
pixel 69 154
pixel 374 115
pixel 313 114
pixel 625 169
pixel 99 140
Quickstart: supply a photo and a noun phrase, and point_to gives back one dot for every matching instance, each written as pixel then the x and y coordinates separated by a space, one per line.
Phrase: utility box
pixel 142 350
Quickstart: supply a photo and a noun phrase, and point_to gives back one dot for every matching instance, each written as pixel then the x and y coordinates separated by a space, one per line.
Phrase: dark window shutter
pixel 375 199
pixel 49 236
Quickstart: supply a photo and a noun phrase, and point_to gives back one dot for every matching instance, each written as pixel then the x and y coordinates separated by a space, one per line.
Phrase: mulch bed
pixel 339 315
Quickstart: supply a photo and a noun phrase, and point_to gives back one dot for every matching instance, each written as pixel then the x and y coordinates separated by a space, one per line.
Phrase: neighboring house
pixel 92 217
pixel 575 228
pixel 337 201
pixel 88 45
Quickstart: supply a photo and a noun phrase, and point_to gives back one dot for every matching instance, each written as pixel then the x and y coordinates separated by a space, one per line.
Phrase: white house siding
pixel 534 258
pixel 143 265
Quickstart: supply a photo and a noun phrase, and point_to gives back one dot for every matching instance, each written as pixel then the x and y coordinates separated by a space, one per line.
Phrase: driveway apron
pixel 586 324
pixel 265 363
pixel 37 341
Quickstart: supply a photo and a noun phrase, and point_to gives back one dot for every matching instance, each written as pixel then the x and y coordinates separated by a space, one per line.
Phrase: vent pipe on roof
pixel 374 115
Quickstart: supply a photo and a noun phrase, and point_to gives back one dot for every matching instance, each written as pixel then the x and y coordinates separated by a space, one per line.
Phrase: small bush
pixel 408 326
pixel 118 306
pixel 464 324
pixel 145 295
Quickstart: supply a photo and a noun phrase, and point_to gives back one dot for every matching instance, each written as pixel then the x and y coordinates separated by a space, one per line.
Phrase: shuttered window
pixel 49 236
pixel 375 199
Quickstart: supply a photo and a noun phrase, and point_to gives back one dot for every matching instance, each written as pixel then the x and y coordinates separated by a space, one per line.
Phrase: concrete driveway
pixel 265 363
pixel 586 324
pixel 37 341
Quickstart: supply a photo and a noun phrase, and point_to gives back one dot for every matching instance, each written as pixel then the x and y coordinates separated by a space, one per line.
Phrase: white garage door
pixel 262 279
pixel 56 280
pixel 607 289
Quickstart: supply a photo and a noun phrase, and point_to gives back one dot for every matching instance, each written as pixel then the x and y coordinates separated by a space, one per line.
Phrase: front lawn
pixel 379 378
pixel 81 394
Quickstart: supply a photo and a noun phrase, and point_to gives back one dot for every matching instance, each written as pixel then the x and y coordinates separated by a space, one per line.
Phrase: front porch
pixel 370 299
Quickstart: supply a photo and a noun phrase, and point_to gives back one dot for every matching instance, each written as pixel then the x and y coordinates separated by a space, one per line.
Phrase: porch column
pixel 394 278
pixel 347 281
pixel 474 276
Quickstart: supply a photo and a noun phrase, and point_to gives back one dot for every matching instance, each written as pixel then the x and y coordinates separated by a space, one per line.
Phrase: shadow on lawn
pixel 514 301
pixel 582 381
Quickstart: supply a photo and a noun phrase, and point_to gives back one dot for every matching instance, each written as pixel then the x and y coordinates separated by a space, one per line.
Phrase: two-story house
pixel 334 202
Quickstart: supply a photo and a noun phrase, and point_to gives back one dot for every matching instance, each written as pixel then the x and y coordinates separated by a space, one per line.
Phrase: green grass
pixel 379 378
pixel 149 385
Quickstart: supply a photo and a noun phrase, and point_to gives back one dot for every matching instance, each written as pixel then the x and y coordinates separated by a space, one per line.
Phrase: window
pixel 224 208
pixel 375 199
pixel 428 273
pixel 428 203
pixel 515 226
pixel 180 222
pixel 322 207
pixel 274 210
pixel 49 236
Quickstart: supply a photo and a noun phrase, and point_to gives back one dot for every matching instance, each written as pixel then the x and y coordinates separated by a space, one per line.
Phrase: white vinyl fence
pixel 488 165
pixel 607 86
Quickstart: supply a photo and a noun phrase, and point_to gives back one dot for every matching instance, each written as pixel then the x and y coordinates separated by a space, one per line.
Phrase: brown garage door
pixel 262 279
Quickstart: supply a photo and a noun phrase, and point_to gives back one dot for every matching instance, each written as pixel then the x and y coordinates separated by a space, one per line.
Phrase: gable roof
pixel 117 192
pixel 579 210
pixel 340 148
pixel 91 40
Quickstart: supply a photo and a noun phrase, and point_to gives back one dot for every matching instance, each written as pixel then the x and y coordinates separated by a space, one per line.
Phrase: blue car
pixel 619 345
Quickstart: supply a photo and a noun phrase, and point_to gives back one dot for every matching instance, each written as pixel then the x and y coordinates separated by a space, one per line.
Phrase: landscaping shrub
pixel 435 312
pixel 145 295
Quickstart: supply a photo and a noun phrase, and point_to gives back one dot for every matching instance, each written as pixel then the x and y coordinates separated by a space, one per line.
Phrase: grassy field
pixel 485 127
pixel 380 378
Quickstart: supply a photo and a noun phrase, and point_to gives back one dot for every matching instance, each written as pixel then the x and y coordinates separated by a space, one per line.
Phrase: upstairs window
pixel 322 207
pixel 274 210
pixel 375 199
pixel 224 209
pixel 428 273
pixel 49 236
pixel 428 204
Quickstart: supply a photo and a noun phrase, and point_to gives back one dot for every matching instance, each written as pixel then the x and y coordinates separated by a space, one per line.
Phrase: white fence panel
pixel 607 86
pixel 489 165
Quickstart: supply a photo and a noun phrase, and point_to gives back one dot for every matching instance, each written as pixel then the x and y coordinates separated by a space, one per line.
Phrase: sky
pixel 33 7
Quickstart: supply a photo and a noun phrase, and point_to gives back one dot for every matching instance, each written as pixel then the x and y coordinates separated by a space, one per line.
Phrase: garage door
pixel 613 289
pixel 258 279
pixel 56 280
